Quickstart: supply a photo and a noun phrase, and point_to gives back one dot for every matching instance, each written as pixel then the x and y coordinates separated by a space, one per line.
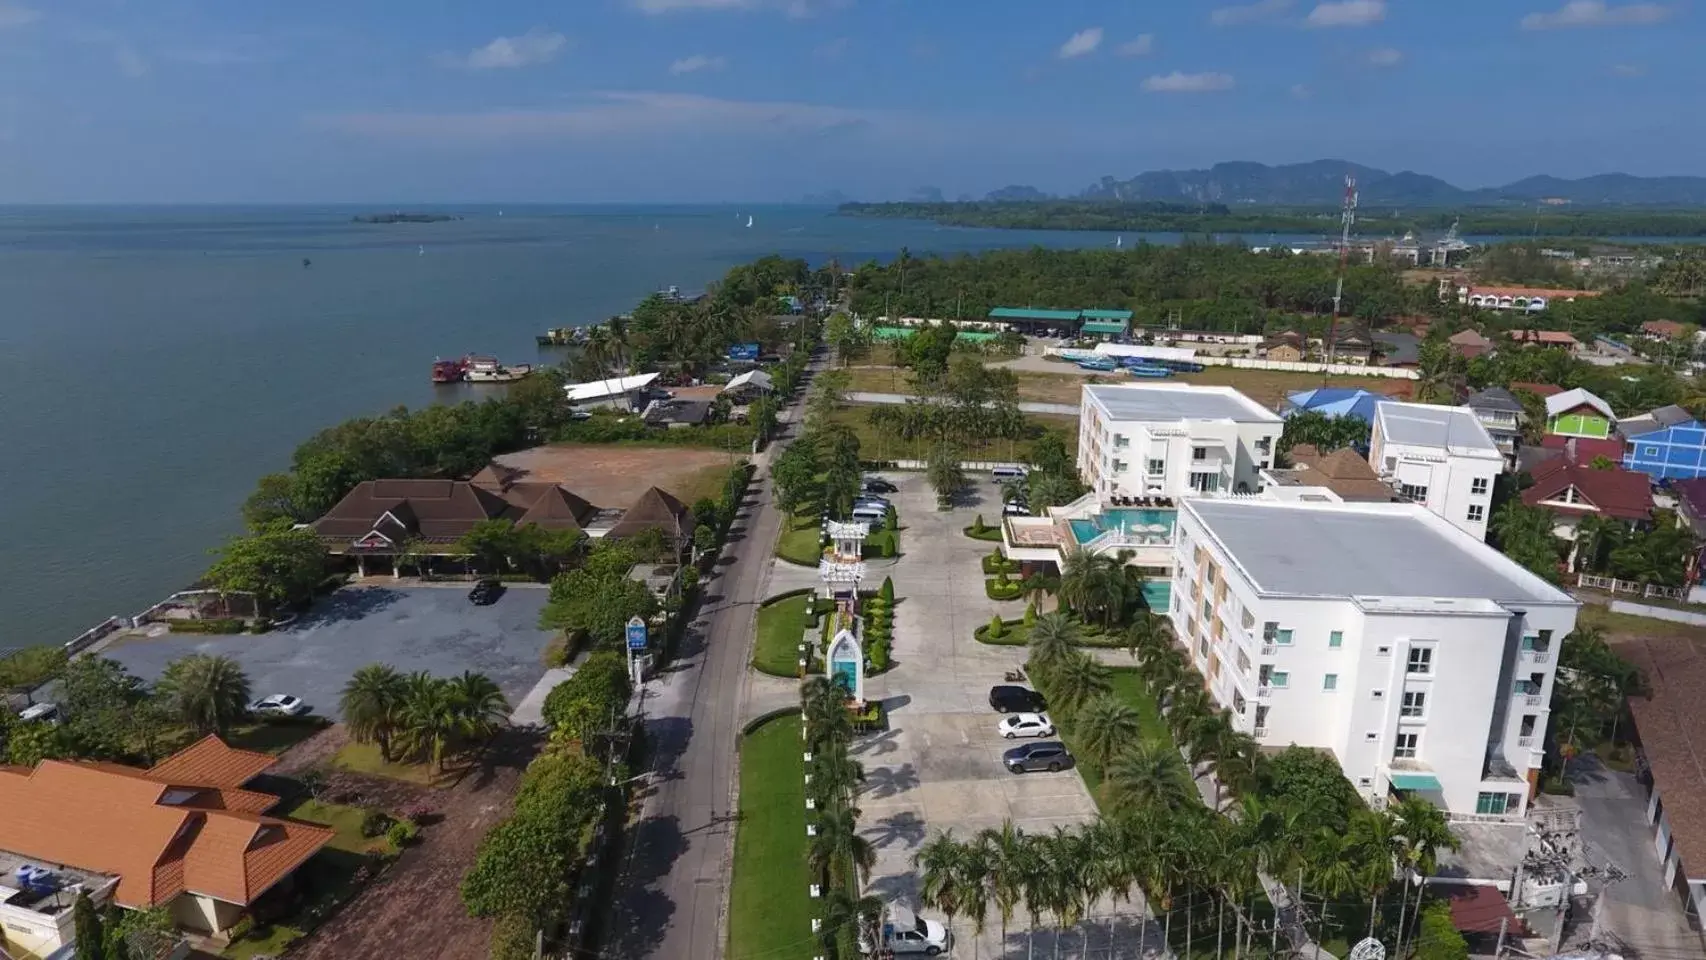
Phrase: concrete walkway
pixel 1027 406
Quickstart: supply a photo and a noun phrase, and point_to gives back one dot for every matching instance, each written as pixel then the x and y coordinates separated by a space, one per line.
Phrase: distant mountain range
pixel 1322 183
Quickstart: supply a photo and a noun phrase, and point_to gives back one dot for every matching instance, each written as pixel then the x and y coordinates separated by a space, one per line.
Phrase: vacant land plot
pixel 1269 387
pixel 612 475
pixel 876 445
pixel 1042 386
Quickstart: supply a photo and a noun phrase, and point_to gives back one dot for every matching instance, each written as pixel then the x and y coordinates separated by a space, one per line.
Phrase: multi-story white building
pixel 1173 440
pixel 1422 658
pixel 1439 457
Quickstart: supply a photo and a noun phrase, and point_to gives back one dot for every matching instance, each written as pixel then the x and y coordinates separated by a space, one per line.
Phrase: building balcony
pixel 1540 656
pixel 1264 691
pixel 1260 733
pixel 1526 743
pixel 1269 649
pixel 1533 699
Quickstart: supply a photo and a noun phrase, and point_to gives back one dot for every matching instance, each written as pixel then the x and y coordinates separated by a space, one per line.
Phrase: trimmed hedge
pixel 998 590
pixel 993 565
pixel 989 534
pixel 205 626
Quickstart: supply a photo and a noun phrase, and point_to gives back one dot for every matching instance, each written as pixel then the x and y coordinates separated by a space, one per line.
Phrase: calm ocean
pixel 155 361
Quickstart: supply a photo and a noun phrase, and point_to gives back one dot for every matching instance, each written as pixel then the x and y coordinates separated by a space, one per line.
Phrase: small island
pixel 400 217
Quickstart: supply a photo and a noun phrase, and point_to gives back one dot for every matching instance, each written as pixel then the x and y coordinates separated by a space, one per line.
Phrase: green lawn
pixel 878 537
pixel 364 758
pixel 770 908
pixel 346 821
pixel 800 541
pixel 264 736
pixel 1018 635
pixel 1128 687
pixel 780 626
pixel 874 445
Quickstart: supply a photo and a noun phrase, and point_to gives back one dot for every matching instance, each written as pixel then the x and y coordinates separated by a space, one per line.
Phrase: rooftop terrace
pixel 1155 402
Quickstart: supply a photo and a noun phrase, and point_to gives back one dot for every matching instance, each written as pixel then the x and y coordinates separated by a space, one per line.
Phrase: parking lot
pixel 938 766
pixel 430 628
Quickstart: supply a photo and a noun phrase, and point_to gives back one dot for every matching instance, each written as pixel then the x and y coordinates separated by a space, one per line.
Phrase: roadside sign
pixel 636 634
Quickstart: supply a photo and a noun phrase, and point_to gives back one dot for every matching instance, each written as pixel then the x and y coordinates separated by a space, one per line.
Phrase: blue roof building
pixel 1335 402
pixel 1666 444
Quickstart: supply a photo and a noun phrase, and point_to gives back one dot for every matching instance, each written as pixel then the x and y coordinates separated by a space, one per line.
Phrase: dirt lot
pixel 415 910
pixel 612 475
pixel 1269 387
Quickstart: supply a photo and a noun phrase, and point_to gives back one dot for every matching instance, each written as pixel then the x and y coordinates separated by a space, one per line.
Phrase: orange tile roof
pixel 1543 336
pixel 158 835
pixel 210 762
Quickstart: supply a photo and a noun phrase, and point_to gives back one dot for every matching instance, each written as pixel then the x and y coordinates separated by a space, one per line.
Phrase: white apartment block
pixel 1440 457
pixel 1422 658
pixel 1173 440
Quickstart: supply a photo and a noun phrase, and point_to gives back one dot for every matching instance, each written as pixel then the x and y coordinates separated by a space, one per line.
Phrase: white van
pixel 1007 474
pixel 866 513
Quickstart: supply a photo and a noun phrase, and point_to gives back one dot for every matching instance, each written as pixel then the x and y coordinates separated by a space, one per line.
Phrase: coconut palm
pixel 1147 635
pixel 838 842
pixel 1037 586
pixel 941 863
pixel 1237 763
pixel 825 707
pixel 835 777
pixel 371 704
pixel 971 885
pixel 848 917
pixel 1145 776
pixel 1074 681
pixel 209 693
pixel 1095 587
pixel 1054 637
pixel 1425 832
pixel 1003 856
pixel 480 705
pixel 1105 725
pixel 430 720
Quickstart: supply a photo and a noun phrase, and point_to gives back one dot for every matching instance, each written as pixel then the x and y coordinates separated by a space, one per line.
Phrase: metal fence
pixel 1614 585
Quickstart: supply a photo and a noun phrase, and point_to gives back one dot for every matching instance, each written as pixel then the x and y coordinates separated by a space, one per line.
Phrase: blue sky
pixel 737 100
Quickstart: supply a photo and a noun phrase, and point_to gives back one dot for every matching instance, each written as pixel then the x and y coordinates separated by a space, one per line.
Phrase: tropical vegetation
pixel 419 718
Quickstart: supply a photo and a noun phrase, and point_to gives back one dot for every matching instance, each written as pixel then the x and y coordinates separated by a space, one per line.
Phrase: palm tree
pixel 1037 586
pixel 846 916
pixel 371 703
pixel 971 885
pixel 1425 832
pixel 1144 776
pixel 835 777
pixel 1003 859
pixel 1104 725
pixel 825 707
pixel 1054 637
pixel 430 719
pixel 941 863
pixel 1149 634
pixel 1237 763
pixel 480 705
pixel 837 843
pixel 1075 681
pixel 209 693
pixel 1095 587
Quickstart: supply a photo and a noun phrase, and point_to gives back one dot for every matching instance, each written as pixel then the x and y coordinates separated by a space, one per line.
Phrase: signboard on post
pixel 636 634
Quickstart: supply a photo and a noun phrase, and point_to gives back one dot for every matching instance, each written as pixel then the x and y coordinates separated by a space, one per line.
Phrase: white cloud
pixel 507 53
pixel 1629 69
pixel 1081 43
pixel 696 63
pixel 610 114
pixel 1177 82
pixel 1347 13
pixel 17 15
pixel 1383 57
pixel 798 9
pixel 1141 45
pixel 1300 91
pixel 1249 13
pixel 1597 13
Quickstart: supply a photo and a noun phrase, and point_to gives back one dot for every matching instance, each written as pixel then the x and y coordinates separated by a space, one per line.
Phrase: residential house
pixel 1285 347
pixel 1335 402
pixel 1398 348
pixel 190 834
pixel 1341 476
pixel 1439 457
pixel 674 414
pixel 1173 440
pixel 1665 444
pixel 1671 726
pixel 1560 339
pixel 1420 658
pixel 1663 330
pixel 618 393
pixel 1353 346
pixel 1469 344
pixel 1501 413
pixel 1572 488
pixel 748 386
pixel 1526 299
pixel 1578 413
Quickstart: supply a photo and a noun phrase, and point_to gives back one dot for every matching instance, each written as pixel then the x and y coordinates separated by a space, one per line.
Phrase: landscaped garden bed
pixel 1017 633
pixel 801 541
pixel 782 622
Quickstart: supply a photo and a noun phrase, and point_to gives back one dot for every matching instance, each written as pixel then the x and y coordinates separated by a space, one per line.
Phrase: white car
pixel 279 705
pixel 903 932
pixel 1016 725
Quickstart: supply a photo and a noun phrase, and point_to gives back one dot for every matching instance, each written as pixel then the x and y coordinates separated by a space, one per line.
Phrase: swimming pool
pixel 1130 519
pixel 1158 595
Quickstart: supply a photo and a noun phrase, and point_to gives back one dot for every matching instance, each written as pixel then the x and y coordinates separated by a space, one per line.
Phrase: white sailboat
pixel 1119 241
pixel 749 220
pixel 421 251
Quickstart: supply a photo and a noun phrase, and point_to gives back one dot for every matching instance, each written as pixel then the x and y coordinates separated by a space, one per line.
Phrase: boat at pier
pixel 449 371
pixel 485 369
pixel 562 336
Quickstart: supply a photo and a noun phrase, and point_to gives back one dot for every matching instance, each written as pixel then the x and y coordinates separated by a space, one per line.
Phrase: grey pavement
pixel 531 710
pixel 434 629
pixel 1643 915
pixel 1027 406
pixel 675 876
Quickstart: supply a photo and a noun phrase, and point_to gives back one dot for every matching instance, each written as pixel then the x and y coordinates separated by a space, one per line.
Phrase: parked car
pixel 1008 474
pixel 866 500
pixel 1011 699
pixel 44 712
pixel 1015 509
pixel 904 932
pixel 1017 725
pixel 485 593
pixel 879 485
pixel 279 705
pixel 1048 755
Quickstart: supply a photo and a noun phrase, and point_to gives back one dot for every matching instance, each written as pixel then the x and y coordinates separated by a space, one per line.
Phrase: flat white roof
pixel 1455 429
pixel 1147 353
pixel 1373 552
pixel 1163 403
pixel 614 387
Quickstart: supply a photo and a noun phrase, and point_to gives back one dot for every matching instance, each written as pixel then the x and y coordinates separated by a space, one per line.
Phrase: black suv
pixel 1016 700
pixel 1048 755
pixel 879 485
pixel 485 593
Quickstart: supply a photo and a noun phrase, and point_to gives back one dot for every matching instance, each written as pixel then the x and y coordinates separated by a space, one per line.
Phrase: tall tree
pixel 372 704
pixel 209 693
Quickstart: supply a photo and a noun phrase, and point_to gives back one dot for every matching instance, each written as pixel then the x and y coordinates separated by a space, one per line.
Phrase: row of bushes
pixel 631 429
pixel 879 627
pixel 207 626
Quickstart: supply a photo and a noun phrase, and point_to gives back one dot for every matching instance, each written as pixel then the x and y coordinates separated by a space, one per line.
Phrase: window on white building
pixel 1269 629
pixel 1478 486
pixel 1377 694
pixel 1278 678
pixel 1415 704
pixel 1121 441
pixel 1383 651
pixel 1421 660
pixel 1365 781
pixel 1205 482
pixel 1404 746
pixel 1336 639
pixel 1330 682
pixel 1263 443
pixel 1199 453
pixel 1156 467
pixel 1476 513
pixel 1119 466
pixel 1202 645
pixel 1282 637
pixel 1371 737
pixel 1412 492
pixel 1498 803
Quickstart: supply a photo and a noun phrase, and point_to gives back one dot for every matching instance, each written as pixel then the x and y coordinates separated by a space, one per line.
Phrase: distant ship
pixel 477 369
pixel 749 220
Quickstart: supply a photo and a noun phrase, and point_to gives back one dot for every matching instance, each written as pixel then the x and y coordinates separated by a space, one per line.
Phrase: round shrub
pixel 402 833
pixel 996 628
pixel 375 823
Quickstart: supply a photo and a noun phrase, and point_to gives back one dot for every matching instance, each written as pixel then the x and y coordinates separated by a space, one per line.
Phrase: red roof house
pixel 1572 488
pixel 1541 390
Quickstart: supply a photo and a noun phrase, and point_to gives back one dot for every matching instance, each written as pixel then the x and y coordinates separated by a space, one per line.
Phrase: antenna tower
pixel 1348 217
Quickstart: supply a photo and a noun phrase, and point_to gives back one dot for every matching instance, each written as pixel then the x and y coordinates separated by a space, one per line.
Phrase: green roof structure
pixel 1028 313
pixel 905 333
pixel 1124 315
pixel 1415 781
pixel 1104 326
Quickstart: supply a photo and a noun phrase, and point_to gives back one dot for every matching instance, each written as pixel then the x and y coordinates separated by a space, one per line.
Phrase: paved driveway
pixel 938 766
pixel 434 629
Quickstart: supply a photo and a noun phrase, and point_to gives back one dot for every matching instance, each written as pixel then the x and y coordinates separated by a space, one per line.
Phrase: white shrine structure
pixel 842 568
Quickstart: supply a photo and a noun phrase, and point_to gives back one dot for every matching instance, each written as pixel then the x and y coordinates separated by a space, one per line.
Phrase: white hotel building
pixel 1173 440
pixel 1440 457
pixel 1422 658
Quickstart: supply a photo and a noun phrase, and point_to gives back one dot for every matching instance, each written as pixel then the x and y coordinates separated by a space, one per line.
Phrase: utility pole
pixel 1347 218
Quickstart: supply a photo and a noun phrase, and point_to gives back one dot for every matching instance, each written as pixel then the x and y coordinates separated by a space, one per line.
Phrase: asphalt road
pixel 670 898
